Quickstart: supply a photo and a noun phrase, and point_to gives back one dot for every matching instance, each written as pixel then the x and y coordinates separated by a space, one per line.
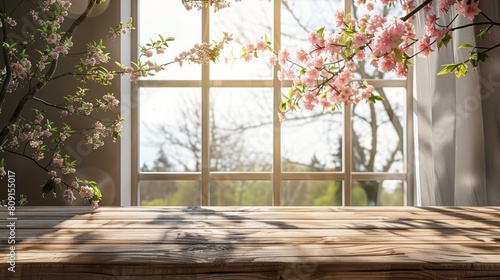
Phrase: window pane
pixel 366 70
pixel 170 193
pixel 378 133
pixel 241 193
pixel 170 19
pixel 311 193
pixel 241 136
pixel 312 141
pixel 247 21
pixel 378 193
pixel 170 129
pixel 300 17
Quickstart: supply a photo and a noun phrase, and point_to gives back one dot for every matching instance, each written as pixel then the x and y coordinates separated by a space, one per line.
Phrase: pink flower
pixel 424 46
pixel 74 185
pixel 386 38
pixel 69 196
pixel 281 116
pixel 249 47
pixel 468 11
pixel 339 18
pixel 444 6
pixel 261 46
pixel 386 64
pixel 248 57
pixel 86 192
pixel 312 73
pixel 283 56
pixel 302 56
pixel 272 59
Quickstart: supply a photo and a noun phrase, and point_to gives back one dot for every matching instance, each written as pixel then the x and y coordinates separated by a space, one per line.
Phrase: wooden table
pixel 252 243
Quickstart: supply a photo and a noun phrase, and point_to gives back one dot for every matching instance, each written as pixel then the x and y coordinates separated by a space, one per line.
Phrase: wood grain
pixel 253 243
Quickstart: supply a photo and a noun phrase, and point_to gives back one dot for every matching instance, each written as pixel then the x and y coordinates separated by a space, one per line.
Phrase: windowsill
pixel 254 242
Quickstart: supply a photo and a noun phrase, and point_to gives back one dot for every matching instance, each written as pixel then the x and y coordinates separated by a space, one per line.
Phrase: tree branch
pixel 53 66
pixel 416 10
pixel 8 74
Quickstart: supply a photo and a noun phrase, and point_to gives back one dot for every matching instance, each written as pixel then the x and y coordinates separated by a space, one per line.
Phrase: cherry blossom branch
pixel 416 10
pixel 48 103
pixel 6 58
pixel 29 95
pixel 37 163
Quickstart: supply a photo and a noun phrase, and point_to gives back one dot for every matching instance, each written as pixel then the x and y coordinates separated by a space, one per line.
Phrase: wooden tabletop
pixel 251 243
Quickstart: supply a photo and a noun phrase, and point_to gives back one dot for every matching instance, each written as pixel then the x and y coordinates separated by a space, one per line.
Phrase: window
pixel 209 135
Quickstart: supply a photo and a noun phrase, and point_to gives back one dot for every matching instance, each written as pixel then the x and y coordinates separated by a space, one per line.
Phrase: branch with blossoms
pixel 203 4
pixel 31 64
pixel 323 73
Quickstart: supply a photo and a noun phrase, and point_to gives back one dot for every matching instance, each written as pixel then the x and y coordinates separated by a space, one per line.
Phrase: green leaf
pixel 97 193
pixel 49 186
pixel 374 98
pixel 481 34
pixel 482 56
pixel 444 42
pixel 461 70
pixel 283 106
pixel 398 54
pixel 2 162
pixel 320 32
pixel 448 68
pixel 473 59
pixel 464 46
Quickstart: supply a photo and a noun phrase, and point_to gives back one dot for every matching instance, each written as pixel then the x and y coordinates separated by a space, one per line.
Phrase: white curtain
pixel 457 123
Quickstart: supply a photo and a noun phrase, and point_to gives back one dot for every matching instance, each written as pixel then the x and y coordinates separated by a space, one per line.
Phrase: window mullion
pixel 276 102
pixel 347 153
pixel 205 113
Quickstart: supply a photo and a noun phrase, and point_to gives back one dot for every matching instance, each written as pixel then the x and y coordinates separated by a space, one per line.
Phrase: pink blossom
pixel 2 172
pixel 74 185
pixel 248 57
pixel 339 18
pixel 261 46
pixel 444 6
pixel 69 196
pixel 281 116
pixel 386 38
pixel 283 56
pixel 271 59
pixel 361 55
pixel 86 192
pixel 302 56
pixel 424 46
pixel 118 127
pixel 312 73
pixel 468 10
pixel 250 47
pixel 386 64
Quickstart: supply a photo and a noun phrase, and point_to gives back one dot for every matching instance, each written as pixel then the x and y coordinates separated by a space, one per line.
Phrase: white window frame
pixel 130 106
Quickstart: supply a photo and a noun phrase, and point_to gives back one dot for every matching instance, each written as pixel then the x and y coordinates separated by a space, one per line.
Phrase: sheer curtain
pixel 457 124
